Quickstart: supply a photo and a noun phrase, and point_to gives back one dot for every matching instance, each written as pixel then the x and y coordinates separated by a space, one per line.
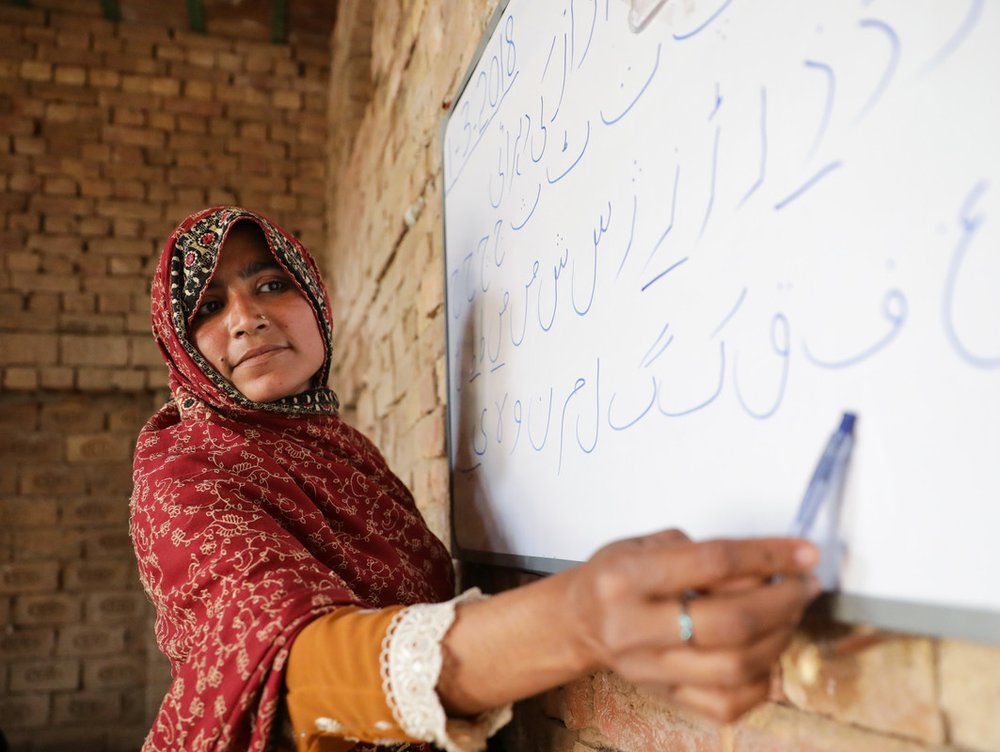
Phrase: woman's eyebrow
pixel 256 266
pixel 248 271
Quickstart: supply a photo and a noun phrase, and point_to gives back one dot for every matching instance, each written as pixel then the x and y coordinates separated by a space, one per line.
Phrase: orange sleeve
pixel 335 696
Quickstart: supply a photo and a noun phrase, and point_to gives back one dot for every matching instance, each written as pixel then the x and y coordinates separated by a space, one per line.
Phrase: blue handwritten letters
pixel 673 254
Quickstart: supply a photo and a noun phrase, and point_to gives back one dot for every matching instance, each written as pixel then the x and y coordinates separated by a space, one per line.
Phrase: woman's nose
pixel 245 316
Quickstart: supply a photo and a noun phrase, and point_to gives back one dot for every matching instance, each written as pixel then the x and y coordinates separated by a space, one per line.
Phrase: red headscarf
pixel 251 519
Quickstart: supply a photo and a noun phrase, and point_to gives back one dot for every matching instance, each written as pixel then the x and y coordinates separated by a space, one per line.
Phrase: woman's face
pixel 254 325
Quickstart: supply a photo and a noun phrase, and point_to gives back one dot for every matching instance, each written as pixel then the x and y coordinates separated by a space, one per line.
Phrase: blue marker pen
pixel 823 491
pixel 640 13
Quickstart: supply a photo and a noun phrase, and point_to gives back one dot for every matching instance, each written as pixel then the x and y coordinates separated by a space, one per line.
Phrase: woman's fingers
pixel 718 669
pixel 731 620
pixel 678 568
pixel 629 596
pixel 718 620
pixel 738 585
pixel 668 564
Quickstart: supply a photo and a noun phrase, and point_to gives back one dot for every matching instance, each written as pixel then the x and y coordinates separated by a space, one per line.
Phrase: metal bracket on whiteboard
pixel 641 11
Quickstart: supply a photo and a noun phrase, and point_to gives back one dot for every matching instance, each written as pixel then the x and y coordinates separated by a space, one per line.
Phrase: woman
pixel 291 570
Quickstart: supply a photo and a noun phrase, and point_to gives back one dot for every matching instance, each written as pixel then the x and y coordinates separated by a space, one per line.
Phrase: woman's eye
pixel 208 308
pixel 273 285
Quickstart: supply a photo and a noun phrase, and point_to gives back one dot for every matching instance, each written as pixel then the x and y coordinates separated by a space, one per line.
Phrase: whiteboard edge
pixel 899 616
pixel 531 564
pixel 456 547
pixel 911 617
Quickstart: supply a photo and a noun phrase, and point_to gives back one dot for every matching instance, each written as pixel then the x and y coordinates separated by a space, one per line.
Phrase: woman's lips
pixel 256 354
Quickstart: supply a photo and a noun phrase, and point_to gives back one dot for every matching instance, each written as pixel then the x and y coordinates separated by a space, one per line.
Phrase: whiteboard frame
pixel 897 615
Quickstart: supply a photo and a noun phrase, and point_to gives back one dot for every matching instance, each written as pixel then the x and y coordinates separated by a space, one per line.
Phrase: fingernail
pixel 806 555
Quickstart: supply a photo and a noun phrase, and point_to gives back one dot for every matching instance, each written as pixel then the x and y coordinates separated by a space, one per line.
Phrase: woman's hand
pixel 630 598
pixel 622 611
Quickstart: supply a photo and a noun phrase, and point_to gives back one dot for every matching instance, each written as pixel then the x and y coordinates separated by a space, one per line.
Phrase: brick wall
pixel 109 135
pixel 393 69
pixel 395 65
pixel 75 621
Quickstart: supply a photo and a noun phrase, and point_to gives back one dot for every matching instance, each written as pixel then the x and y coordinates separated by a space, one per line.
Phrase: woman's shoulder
pixel 171 434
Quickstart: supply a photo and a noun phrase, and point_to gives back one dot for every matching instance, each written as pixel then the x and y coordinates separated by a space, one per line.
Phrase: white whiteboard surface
pixel 674 258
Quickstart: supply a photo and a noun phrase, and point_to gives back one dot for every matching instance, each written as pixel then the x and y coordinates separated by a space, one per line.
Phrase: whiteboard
pixel 675 257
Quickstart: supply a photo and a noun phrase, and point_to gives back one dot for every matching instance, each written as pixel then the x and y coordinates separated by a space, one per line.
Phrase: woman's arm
pixel 370 674
pixel 621 611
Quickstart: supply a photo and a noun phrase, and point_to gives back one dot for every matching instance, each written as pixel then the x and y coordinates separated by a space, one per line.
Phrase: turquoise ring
pixel 684 621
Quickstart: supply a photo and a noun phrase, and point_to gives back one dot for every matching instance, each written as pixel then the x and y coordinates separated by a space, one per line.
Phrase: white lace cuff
pixel 410 665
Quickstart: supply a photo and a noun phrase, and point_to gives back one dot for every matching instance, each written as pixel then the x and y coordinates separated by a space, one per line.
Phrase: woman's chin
pixel 264 390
